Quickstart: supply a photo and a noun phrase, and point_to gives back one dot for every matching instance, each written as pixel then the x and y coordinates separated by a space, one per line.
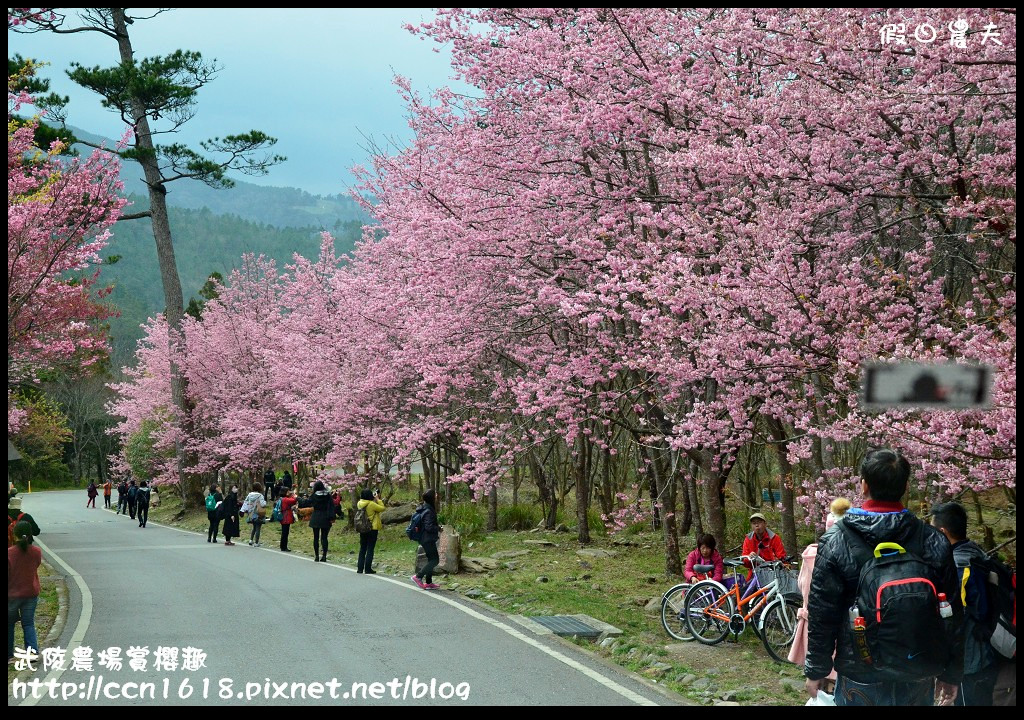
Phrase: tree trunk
pixel 582 463
pixel 174 309
pixel 517 477
pixel 687 511
pixel 607 494
pixel 691 491
pixel 780 434
pixel 492 509
pixel 548 499
pixel 664 486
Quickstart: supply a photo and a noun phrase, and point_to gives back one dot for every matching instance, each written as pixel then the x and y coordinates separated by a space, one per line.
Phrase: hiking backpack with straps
pixel 998 626
pixel 894 625
pixel 362 520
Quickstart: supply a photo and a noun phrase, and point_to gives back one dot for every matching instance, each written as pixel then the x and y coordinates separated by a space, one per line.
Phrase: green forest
pixel 204 242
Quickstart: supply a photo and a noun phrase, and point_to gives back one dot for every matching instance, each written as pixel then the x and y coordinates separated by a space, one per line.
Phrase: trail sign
pixel 940 386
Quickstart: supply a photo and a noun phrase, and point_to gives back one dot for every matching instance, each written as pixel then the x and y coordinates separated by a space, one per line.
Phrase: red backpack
pixel 10 529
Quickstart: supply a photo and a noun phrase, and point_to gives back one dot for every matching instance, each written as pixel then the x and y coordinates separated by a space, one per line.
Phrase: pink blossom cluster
pixel 58 218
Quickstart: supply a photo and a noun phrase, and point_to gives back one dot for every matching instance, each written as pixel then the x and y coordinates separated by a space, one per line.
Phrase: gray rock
pixel 542 579
pixel 713 672
pixel 701 683
pixel 657 670
pixel 653 605
pixel 607 642
pixel 721 703
pixel 730 696
pixel 398 514
pixel 688 679
pixel 474 593
pixel 596 553
pixel 679 648
pixel 560 528
pixel 491 596
pixel 478 565
pixel 510 566
pixel 625 542
pixel 539 543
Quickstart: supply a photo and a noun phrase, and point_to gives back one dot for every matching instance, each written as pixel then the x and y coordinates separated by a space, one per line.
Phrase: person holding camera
pixel 368 524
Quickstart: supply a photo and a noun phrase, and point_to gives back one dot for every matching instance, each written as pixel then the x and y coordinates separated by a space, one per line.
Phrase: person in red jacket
pixel 23 559
pixel 761 542
pixel 288 518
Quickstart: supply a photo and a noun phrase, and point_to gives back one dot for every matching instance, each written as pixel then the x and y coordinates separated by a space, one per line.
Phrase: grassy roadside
pixel 557 580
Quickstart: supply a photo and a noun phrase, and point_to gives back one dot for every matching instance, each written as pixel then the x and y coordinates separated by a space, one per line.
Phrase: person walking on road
pixel 23 559
pixel 370 504
pixel 142 503
pixel 122 497
pixel 92 493
pixel 431 534
pixel 133 493
pixel 213 501
pixel 229 513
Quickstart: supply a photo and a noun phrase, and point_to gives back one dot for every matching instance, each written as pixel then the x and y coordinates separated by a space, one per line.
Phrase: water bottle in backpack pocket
pixel 895 625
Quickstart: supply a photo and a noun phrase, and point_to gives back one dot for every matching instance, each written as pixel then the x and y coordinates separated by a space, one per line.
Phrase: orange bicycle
pixel 769 604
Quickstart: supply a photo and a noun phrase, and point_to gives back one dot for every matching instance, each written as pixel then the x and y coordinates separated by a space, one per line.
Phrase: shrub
pixel 518 517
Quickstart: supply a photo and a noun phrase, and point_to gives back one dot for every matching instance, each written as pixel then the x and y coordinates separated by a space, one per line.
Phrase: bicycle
pixel 712 611
pixel 672 604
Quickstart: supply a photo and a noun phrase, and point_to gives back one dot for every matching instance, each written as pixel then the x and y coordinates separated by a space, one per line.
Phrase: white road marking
pixel 83 619
pixel 593 674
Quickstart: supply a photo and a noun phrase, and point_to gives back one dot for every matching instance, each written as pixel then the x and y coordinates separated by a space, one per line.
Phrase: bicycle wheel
pixel 779 628
pixel 704 603
pixel 672 618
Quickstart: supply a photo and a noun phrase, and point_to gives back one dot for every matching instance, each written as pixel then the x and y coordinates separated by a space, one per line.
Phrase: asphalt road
pixel 272 628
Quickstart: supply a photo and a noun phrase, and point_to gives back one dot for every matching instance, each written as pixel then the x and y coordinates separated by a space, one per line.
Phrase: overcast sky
pixel 316 79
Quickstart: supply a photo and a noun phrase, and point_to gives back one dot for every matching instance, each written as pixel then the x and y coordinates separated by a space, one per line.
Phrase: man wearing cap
pixel 761 542
pixel 14 514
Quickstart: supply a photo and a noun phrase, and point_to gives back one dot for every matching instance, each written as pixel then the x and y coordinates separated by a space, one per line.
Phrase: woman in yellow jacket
pixel 370 503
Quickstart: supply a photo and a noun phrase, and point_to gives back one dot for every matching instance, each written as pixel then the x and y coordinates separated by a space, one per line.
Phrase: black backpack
pixel 903 637
pixel 998 625
pixel 415 529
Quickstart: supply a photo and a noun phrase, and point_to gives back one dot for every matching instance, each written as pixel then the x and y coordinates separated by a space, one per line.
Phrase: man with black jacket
pixel 980 666
pixel 840 557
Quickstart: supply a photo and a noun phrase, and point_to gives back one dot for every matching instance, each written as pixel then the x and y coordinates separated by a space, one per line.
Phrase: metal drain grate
pixel 566 626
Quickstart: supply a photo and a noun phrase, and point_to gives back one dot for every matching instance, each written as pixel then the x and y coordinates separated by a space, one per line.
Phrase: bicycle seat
pixel 733 562
pixel 703 568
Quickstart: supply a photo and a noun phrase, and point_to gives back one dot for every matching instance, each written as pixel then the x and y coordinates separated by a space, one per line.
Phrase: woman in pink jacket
pixel 705 554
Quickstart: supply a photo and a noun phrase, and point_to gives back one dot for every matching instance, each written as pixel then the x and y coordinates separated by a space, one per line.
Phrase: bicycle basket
pixel 787 585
